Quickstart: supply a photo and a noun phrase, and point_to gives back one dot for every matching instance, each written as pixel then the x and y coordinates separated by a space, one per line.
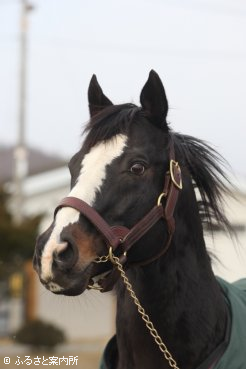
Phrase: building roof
pixel 47 181
pixel 38 162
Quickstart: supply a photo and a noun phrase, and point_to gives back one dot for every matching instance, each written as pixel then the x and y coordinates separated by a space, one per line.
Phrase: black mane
pixel 205 165
pixel 207 169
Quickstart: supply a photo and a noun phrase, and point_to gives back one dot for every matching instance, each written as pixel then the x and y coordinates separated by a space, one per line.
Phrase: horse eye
pixel 137 169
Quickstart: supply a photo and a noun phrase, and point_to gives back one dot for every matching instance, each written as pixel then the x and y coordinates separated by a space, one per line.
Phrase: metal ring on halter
pixel 112 257
pixel 103 259
pixel 163 194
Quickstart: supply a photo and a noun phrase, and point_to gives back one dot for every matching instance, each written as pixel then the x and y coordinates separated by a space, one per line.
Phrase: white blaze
pixel 90 179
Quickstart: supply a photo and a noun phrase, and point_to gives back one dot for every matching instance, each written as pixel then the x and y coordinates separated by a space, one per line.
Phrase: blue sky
pixel 197 47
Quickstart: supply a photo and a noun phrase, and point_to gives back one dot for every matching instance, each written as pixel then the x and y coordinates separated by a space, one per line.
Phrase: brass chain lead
pixel 101 259
pixel 163 348
pixel 93 285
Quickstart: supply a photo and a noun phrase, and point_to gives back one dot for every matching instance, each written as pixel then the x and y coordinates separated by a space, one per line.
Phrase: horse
pixel 142 197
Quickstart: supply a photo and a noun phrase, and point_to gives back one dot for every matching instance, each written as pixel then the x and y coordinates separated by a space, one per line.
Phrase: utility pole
pixel 20 153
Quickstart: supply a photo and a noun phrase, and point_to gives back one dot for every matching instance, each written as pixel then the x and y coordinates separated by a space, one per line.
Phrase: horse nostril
pixel 66 257
pixel 66 254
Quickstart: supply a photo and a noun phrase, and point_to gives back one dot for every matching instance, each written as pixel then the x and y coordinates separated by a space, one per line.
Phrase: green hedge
pixel 40 335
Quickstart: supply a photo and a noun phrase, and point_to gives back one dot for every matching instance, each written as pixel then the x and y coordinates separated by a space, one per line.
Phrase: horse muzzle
pixel 66 267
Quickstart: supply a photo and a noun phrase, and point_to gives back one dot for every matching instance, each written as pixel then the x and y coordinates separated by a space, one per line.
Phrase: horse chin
pixel 92 276
pixel 73 291
pixel 74 285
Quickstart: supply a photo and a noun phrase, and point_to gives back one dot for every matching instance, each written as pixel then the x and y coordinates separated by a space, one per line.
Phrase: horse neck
pixel 182 298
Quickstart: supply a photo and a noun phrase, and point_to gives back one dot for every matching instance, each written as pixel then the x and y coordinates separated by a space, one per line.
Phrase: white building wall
pixel 231 253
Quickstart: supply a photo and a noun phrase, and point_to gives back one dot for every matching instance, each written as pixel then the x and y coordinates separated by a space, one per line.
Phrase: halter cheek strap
pixel 119 236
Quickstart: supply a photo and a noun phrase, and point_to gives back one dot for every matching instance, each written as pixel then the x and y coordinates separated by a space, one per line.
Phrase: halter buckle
pixel 175 172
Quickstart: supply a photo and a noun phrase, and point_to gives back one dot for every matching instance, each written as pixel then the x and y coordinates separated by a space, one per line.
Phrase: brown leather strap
pixel 172 186
pixel 175 180
pixel 113 235
pixel 172 198
pixel 142 227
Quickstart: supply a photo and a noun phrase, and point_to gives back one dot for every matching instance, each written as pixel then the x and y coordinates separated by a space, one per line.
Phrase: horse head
pixel 119 172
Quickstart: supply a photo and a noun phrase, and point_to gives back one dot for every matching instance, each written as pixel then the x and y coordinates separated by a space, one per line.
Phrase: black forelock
pixel 113 120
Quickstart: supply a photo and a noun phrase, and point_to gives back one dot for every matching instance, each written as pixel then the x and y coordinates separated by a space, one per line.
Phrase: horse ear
pixel 153 99
pixel 97 100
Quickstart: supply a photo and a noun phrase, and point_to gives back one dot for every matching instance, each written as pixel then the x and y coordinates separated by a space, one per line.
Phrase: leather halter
pixel 124 238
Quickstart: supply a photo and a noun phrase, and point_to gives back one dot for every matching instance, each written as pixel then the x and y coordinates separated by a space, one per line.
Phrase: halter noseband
pixel 119 236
